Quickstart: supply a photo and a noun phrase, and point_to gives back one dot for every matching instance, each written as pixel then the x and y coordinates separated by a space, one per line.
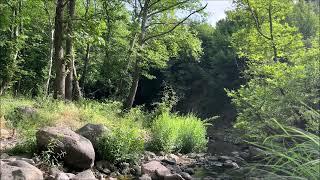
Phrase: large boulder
pixel 19 170
pixel 79 152
pixel 154 168
pixel 93 132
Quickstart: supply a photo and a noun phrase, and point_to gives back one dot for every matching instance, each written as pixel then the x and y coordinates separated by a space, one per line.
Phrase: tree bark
pixel 69 51
pixel 85 68
pixel 59 91
pixel 136 74
pixel 50 64
pixel 76 90
pixel 134 86
pixel 275 51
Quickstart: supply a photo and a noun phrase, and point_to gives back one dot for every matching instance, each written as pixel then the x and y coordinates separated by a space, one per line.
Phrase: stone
pixel 169 161
pixel 189 171
pixel 230 164
pixel 4 155
pixel 79 152
pixel 186 176
pixel 145 177
pixel 61 176
pixel 93 132
pixel 173 177
pixel 136 170
pixel 102 165
pixel 152 167
pixel 26 110
pixel 85 175
pixel 19 170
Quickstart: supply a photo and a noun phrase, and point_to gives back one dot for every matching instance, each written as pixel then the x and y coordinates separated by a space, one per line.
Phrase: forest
pixel 151 90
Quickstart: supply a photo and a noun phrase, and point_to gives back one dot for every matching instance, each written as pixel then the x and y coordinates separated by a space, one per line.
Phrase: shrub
pixel 292 154
pixel 124 143
pixel 171 132
pixel 24 147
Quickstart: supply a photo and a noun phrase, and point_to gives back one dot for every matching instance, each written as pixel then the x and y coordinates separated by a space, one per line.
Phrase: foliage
pixel 285 90
pixel 173 133
pixel 26 146
pixel 292 154
pixel 124 143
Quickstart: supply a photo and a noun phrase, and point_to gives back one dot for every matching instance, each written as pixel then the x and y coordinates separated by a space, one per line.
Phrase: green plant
pixel 171 132
pixel 50 157
pixel 292 154
pixel 124 143
pixel 24 147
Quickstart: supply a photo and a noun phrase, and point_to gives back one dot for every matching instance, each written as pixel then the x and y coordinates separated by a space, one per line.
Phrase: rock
pixel 19 170
pixel 61 176
pixel 26 110
pixel 244 155
pixel 93 132
pixel 230 164
pixel 79 150
pixel 136 170
pixel 85 175
pixel 186 176
pixel 256 153
pixel 145 177
pixel 4 155
pixel 103 165
pixel 173 177
pixel 216 163
pixel 169 161
pixel 30 161
pixel 161 173
pixel 153 166
pixel 189 171
pixel 224 158
pixel 70 175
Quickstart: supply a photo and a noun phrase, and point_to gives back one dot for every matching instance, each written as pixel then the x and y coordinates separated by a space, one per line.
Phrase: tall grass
pixel 173 133
pixel 292 154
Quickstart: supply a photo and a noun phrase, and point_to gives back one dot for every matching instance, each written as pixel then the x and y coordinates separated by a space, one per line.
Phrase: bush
pixel 124 143
pixel 171 132
pixel 28 146
pixel 292 154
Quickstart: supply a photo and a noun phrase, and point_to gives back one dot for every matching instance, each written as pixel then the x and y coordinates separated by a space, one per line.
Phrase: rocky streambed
pixel 80 162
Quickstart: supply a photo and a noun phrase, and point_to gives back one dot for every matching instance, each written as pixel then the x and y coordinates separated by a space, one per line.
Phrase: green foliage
pixel 26 146
pixel 285 90
pixel 173 133
pixel 292 154
pixel 50 157
pixel 124 143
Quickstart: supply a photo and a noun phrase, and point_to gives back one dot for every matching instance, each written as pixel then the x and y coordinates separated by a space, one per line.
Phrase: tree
pixel 283 90
pixel 58 56
pixel 153 20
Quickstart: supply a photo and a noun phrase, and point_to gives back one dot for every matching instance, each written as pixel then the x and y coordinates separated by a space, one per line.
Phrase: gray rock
pixel 136 170
pixel 173 177
pixel 79 150
pixel 169 161
pixel 19 170
pixel 61 176
pixel 26 110
pixel 152 167
pixel 189 171
pixel 4 156
pixel 186 176
pixel 85 175
pixel 145 177
pixel 101 165
pixel 93 132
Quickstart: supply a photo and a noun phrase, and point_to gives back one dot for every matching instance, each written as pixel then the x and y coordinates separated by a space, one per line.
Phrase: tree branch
pixel 168 7
pixel 175 26
pixel 255 17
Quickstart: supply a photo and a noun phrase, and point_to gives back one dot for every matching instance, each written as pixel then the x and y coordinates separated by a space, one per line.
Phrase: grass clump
pixel 292 154
pixel 123 144
pixel 173 133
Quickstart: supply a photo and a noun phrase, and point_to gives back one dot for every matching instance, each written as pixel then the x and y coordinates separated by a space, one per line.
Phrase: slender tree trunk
pixel 136 74
pixel 134 86
pixel 76 90
pixel 69 51
pixel 85 68
pixel 275 52
pixel 50 64
pixel 59 91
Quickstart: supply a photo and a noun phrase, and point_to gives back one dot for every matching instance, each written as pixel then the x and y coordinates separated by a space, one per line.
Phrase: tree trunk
pixel 59 91
pixel 136 74
pixel 85 68
pixel 275 51
pixel 134 86
pixel 76 90
pixel 50 64
pixel 69 51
